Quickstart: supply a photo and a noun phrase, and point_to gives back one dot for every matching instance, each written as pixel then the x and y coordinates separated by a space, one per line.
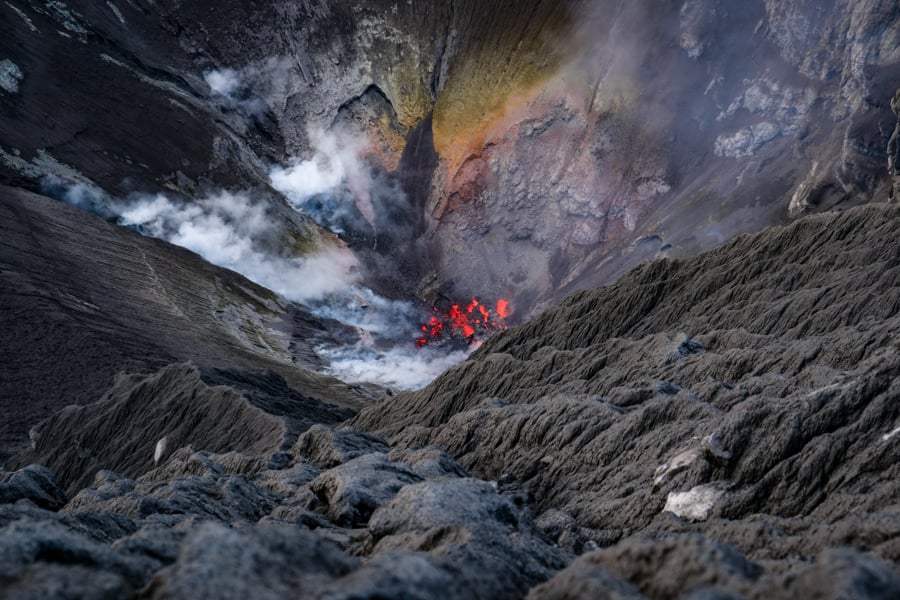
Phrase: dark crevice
pixel 371 90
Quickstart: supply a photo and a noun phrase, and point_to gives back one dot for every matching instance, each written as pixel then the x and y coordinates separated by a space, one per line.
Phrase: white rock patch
pixel 117 12
pixel 713 446
pixel 888 436
pixel 695 504
pixel 160 450
pixel 10 76
pixel 675 465
pixel 23 16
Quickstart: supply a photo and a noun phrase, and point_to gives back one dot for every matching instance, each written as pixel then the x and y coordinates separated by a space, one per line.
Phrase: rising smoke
pixel 331 184
pixel 237 231
pixel 255 88
pixel 337 187
pixel 229 230
pixel 384 353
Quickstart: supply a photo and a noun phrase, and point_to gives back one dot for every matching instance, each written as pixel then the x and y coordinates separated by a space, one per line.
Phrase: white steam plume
pixel 255 88
pixel 226 82
pixel 400 367
pixel 226 229
pixel 385 353
pixel 338 189
pixel 337 161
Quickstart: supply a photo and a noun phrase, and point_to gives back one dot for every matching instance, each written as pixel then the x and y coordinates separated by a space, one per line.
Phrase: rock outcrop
pixel 399 525
pixel 141 420
pixel 894 150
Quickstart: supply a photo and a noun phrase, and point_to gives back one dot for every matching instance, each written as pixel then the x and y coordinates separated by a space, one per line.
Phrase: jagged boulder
pixel 353 491
pixel 893 149
pixel 44 558
pixel 267 561
pixel 693 566
pixel 328 447
pixel 34 483
pixel 464 523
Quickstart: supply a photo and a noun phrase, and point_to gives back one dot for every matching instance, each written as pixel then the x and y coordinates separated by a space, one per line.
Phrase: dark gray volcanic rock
pixel 231 526
pixel 268 561
pixel 460 522
pixel 327 447
pixel 725 426
pixel 751 391
pixel 34 483
pixel 695 567
pixel 83 300
pixel 353 491
pixel 718 427
pixel 894 148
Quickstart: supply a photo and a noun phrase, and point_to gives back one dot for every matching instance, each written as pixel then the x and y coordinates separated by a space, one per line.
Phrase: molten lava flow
pixel 502 308
pixel 468 324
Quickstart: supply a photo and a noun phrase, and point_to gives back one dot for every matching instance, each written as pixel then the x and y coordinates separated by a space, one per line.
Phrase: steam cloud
pixel 234 231
pixel 397 367
pixel 336 163
pixel 385 353
pixel 227 229
pixel 230 230
pixel 338 189
pixel 253 89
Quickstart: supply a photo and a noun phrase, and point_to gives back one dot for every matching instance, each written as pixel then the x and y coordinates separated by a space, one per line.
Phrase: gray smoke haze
pixel 400 367
pixel 225 228
pixel 385 353
pixel 80 194
pixel 253 89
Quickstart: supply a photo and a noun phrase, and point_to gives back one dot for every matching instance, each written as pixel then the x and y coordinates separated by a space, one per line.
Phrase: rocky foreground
pixel 721 427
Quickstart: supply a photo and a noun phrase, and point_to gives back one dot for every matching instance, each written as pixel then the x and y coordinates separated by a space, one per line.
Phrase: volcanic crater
pixel 384 299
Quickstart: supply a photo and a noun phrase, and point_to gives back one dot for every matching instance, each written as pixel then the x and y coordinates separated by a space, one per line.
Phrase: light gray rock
pixel 351 492
pixel 328 447
pixel 10 76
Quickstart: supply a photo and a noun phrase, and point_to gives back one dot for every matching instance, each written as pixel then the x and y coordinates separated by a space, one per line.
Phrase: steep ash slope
pixel 83 300
pixel 761 377
pixel 141 420
pixel 724 426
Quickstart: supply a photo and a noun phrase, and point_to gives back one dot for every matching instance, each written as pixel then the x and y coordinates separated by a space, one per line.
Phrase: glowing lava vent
pixel 460 324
